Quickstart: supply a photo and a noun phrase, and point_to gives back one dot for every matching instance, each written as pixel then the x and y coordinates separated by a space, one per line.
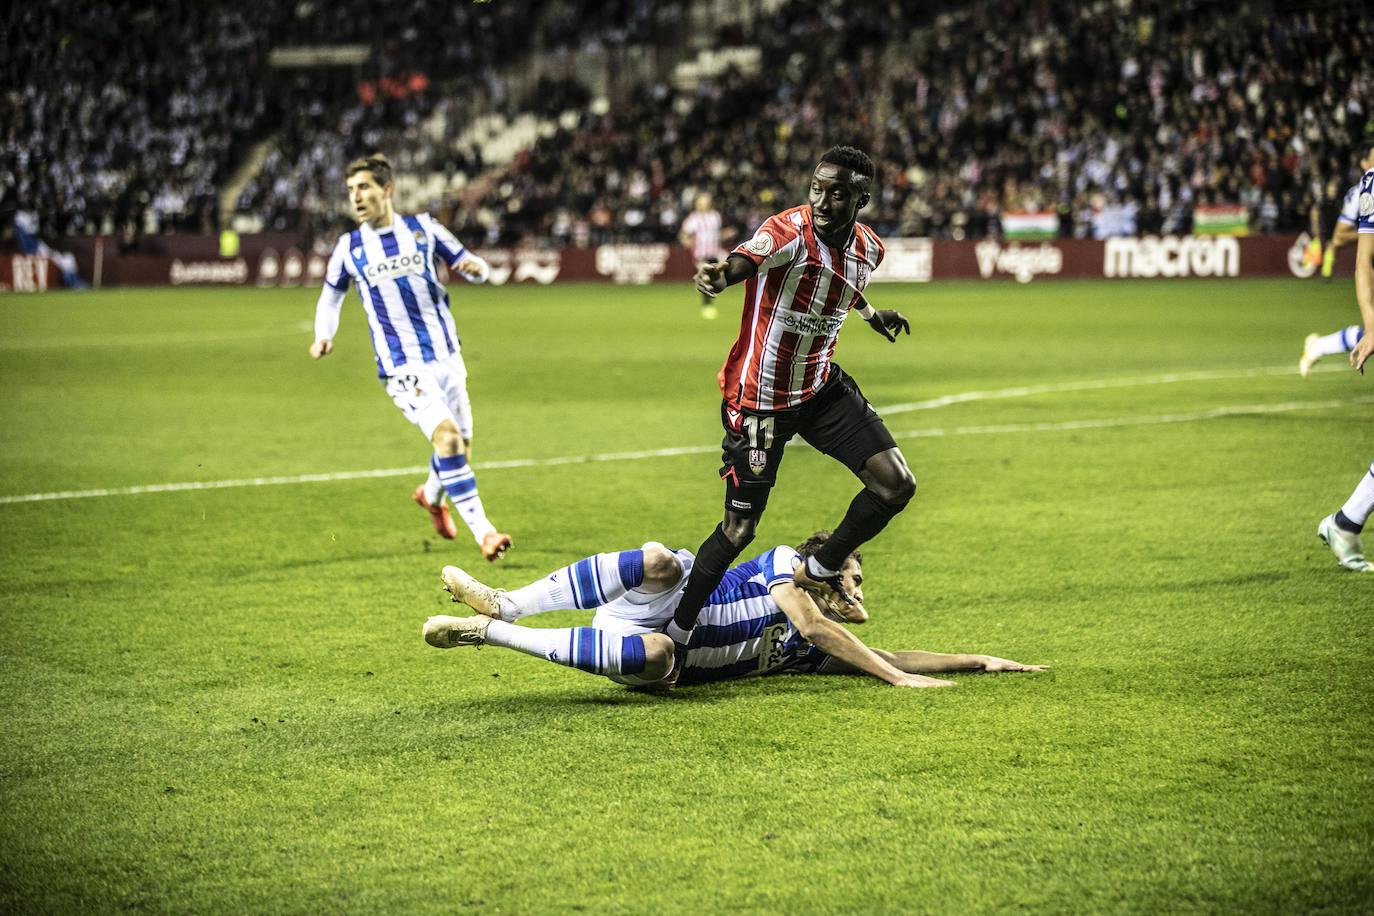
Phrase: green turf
pixel 217 700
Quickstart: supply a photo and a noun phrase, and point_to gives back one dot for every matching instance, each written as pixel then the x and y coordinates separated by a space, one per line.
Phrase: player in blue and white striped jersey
pixel 1342 529
pixel 1315 346
pixel 757 622
pixel 392 259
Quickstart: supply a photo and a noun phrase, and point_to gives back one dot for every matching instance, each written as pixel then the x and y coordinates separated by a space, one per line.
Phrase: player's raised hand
pixel 710 278
pixel 321 348
pixel 889 323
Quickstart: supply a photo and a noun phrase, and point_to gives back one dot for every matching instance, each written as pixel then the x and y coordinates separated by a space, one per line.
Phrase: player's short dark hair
pixel 856 160
pixel 376 163
pixel 812 544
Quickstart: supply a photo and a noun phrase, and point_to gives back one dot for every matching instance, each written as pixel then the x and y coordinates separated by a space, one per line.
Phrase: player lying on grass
pixel 757 622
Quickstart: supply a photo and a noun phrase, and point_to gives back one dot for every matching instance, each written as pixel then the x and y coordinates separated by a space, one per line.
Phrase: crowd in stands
pixel 1120 117
pixel 124 117
pixel 328 122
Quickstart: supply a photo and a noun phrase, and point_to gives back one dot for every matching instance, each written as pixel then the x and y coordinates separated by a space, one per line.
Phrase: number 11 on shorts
pixel 759 428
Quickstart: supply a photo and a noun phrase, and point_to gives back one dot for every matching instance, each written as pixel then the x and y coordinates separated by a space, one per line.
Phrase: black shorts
pixel 838 421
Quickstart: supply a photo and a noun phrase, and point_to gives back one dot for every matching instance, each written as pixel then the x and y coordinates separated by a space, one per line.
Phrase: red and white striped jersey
pixel 704 228
pixel 793 309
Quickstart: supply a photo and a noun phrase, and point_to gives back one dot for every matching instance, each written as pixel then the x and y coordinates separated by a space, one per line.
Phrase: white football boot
pixel 1309 354
pixel 1344 544
pixel 444 632
pixel 481 598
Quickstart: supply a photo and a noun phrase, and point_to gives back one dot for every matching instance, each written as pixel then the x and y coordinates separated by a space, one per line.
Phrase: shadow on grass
pixel 615 696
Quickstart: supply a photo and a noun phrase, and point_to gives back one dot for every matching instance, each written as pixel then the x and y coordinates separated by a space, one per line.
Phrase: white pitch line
pixel 1109 422
pixel 159 339
pixel 1166 378
pixel 1103 423
pixel 215 484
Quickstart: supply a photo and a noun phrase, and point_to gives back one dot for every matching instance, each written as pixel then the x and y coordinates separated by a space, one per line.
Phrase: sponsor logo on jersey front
pixel 774 647
pixel 810 324
pixel 396 266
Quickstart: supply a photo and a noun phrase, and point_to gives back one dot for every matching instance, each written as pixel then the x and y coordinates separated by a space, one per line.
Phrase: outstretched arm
pixel 712 277
pixel 936 662
pixel 837 642
pixel 917 662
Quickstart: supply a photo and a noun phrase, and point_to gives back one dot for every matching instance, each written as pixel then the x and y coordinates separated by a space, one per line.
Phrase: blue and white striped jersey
pixel 396 275
pixel 1350 207
pixel 1365 207
pixel 741 632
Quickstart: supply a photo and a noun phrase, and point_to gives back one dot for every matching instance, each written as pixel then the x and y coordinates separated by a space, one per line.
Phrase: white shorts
pixel 430 393
pixel 636 612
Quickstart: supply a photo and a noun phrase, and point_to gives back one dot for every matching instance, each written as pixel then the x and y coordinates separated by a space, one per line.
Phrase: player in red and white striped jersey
pixel 795 301
pixel 702 231
pixel 803 271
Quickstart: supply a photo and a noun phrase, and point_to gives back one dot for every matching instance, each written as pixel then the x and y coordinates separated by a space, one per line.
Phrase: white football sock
pixel 816 570
pixel 461 485
pixel 588 583
pixel 1361 502
pixel 1342 341
pixel 585 648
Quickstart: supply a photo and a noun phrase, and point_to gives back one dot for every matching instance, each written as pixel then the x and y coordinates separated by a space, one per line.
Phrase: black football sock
pixel 868 514
pixel 713 559
pixel 1344 523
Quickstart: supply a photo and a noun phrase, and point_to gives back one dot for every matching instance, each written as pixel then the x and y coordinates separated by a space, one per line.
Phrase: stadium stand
pixel 541 122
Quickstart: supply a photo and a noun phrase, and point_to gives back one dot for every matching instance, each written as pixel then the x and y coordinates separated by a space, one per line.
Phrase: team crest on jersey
pixel 758 460
pixel 761 245
pixel 357 252
pixel 863 274
pixel 1366 203
pixel 419 237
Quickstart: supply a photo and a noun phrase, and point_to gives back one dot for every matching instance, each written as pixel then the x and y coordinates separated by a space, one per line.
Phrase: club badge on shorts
pixel 758 460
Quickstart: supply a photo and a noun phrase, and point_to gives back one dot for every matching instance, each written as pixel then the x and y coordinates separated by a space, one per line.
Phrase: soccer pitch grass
pixel 217 700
